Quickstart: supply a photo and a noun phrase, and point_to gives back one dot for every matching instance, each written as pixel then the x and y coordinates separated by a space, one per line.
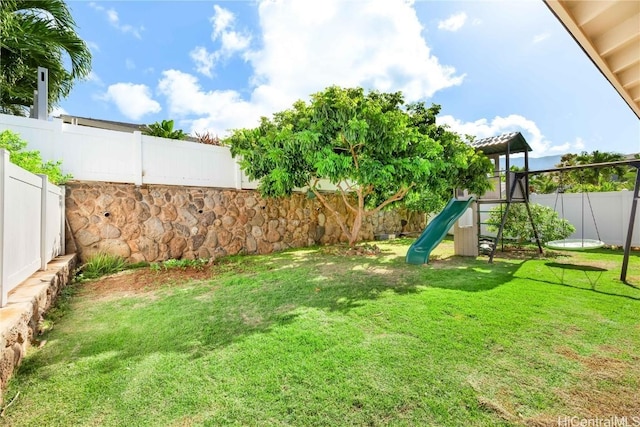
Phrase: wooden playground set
pixel 464 212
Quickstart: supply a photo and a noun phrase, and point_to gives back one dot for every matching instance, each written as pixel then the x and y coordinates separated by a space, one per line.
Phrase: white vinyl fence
pixel 92 154
pixel 31 224
pixel 611 212
pixel 610 219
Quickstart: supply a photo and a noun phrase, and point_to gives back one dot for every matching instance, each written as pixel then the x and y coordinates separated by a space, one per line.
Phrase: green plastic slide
pixel 436 230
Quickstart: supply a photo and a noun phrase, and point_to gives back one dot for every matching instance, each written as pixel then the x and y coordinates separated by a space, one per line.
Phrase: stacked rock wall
pixel 158 222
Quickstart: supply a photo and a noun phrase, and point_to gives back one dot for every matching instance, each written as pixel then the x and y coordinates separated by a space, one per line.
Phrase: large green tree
pixel 37 33
pixel 372 146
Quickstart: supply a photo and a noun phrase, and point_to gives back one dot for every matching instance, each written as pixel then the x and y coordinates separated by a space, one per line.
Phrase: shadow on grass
pixel 255 296
pixel 577 267
pixel 568 275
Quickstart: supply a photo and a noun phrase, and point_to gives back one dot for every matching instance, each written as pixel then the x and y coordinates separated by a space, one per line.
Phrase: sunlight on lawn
pixel 313 337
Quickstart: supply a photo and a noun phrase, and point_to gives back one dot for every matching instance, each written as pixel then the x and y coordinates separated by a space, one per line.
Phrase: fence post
pixel 238 172
pixel 137 158
pixel 44 190
pixel 4 166
pixel 63 216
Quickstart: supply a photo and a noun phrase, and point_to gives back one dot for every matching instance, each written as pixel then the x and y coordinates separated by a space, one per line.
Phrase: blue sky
pixel 495 67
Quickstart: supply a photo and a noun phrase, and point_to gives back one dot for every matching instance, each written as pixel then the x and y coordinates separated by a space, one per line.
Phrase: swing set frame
pixel 521 182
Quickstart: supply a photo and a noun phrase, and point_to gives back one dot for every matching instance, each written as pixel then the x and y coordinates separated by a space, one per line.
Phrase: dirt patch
pixel 608 388
pixel 444 262
pixel 365 249
pixel 141 281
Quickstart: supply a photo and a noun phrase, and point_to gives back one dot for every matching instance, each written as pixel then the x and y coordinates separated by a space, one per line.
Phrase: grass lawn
pixel 315 337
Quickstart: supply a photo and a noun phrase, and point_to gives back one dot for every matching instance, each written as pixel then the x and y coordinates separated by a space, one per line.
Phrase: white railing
pixel 31 224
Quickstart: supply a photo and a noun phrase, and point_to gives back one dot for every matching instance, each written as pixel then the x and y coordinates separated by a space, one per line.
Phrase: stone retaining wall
pixel 158 222
pixel 21 318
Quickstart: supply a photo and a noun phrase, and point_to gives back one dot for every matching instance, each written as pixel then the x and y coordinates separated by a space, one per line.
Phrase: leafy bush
pixel 101 264
pixel 31 160
pixel 164 129
pixel 518 226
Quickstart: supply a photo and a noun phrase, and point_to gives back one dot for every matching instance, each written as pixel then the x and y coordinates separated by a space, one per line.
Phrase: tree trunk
pixel 355 228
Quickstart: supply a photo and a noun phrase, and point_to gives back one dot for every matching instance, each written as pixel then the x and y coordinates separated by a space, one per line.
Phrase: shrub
pixel 31 160
pixel 101 264
pixel 518 226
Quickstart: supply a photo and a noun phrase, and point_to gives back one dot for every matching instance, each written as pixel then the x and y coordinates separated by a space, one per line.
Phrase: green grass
pixel 314 337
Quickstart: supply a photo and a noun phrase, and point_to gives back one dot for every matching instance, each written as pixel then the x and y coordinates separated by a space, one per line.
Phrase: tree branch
pixel 398 196
pixel 353 153
pixel 335 213
pixel 345 200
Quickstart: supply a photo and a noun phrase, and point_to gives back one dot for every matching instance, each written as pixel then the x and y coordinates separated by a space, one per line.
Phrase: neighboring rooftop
pixel 510 143
pixel 102 124
pixel 109 125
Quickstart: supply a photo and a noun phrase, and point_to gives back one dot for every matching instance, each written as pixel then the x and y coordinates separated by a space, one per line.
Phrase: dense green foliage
pixel 164 129
pixel 38 33
pixel 312 337
pixel 518 226
pixel 376 149
pixel 101 264
pixel 613 178
pixel 30 159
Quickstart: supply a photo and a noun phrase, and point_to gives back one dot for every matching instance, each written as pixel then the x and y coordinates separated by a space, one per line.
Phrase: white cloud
pixel 220 110
pixel 484 128
pixel 454 22
pixel 233 41
pixel 540 37
pixel 203 59
pixel 57 112
pixel 230 40
pixel 114 20
pixel 133 100
pixel 94 78
pixel 129 64
pixel 93 46
pixel 305 47
pixel 221 20
pixel 579 144
pixel 376 44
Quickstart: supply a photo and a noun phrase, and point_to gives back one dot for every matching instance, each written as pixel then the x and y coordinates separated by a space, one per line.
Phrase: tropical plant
pixel 208 138
pixel 31 160
pixel 609 178
pixel 518 225
pixel 38 33
pixel 164 129
pixel 99 265
pixel 375 149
